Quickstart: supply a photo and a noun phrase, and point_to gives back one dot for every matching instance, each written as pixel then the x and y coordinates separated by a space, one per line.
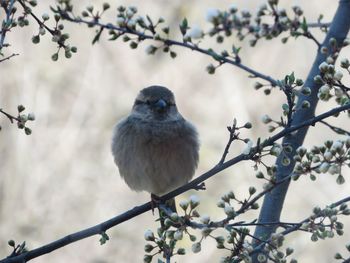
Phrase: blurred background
pixel 62 178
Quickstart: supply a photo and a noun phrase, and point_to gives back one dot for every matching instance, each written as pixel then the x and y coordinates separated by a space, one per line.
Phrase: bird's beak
pixel 160 105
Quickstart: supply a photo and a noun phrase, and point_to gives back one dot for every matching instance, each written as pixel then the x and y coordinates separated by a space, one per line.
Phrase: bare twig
pixel 318 24
pixel 9 57
pixel 232 137
pixel 335 129
pixel 309 35
pixel 9 116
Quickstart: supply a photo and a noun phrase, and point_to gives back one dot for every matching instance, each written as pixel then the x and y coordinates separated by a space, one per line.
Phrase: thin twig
pixel 335 129
pixel 51 31
pixel 309 35
pixel 232 137
pixel 318 24
pixel 9 116
pixel 9 57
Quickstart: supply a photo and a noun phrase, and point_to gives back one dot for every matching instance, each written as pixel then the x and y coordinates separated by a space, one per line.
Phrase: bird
pixel 155 148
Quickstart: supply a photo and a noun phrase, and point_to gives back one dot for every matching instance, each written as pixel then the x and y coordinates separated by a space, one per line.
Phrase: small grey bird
pixel 155 148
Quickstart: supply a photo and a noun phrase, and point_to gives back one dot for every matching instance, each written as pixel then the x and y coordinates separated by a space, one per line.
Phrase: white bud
pixel 129 13
pixel 151 49
pixel 184 204
pixel 205 219
pixel 229 210
pixel 196 247
pixel 178 235
pixel 220 204
pixel 276 150
pixel 194 201
pixel 344 63
pixel 334 169
pixel 338 93
pixel 323 67
pixel 338 75
pixel 337 145
pixel 195 32
pixel 149 236
pixel 324 167
pixel 328 155
pixel 31 116
pixel 266 119
pixel 324 89
pixel 248 147
pixel 131 23
pixel 120 21
pixel 212 14
pixel 45 16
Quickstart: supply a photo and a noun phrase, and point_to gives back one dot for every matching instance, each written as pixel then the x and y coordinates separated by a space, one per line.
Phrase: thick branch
pixel 273 201
pixel 98 229
pixel 6 23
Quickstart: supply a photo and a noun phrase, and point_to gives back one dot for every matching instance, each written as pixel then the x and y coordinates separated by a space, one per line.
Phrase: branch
pixel 138 210
pixel 273 202
pixel 335 129
pixel 9 116
pixel 6 22
pixel 296 226
pixel 170 42
pixel 9 57
pixel 319 24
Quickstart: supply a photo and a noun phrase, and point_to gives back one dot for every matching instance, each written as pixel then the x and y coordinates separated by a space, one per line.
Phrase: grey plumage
pixel 155 148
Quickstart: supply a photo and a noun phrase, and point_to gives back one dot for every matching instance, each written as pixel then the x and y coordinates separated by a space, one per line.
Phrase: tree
pixel 324 82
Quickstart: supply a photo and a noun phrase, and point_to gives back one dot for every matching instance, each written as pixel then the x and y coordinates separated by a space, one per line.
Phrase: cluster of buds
pixel 57 32
pixel 257 26
pixel 324 223
pixel 274 250
pixel 173 230
pixel 328 158
pixel 330 78
pixel 22 119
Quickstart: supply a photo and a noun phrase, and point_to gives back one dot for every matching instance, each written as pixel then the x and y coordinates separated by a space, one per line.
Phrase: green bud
pixel 20 108
pixel 27 131
pixel 181 251
pixel 252 190
pixel 147 259
pixel 148 248
pixel 54 57
pixel 105 6
pixel 36 39
pixel 11 243
pixel 210 69
pixel 248 125
pixel 338 256
pixel 259 175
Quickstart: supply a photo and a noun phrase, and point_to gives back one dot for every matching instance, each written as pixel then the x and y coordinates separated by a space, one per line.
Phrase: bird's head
pixel 156 103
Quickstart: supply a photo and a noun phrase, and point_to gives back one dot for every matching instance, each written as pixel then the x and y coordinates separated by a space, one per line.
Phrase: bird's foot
pixel 200 186
pixel 155 201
